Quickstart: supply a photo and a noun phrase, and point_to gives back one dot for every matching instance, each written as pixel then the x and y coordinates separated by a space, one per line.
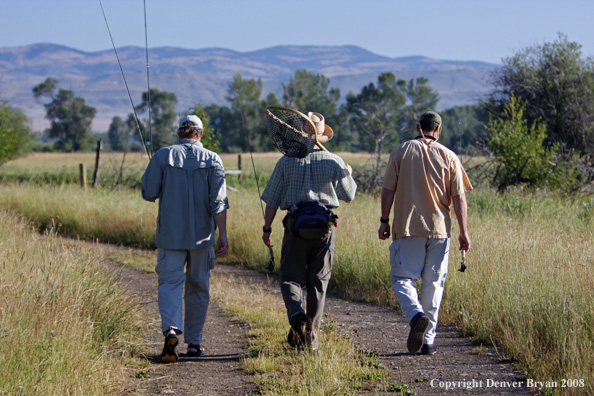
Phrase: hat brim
pixel 326 136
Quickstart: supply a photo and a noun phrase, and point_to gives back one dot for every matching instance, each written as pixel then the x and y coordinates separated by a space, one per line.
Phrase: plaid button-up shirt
pixel 320 176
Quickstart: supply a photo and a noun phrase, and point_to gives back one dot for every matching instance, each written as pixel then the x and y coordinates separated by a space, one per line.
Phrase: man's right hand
pixel 349 168
pixel 384 231
pixel 266 238
pixel 464 240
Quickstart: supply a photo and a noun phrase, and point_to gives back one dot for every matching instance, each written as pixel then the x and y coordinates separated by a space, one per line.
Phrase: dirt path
pixel 217 374
pixel 384 331
pixel 377 329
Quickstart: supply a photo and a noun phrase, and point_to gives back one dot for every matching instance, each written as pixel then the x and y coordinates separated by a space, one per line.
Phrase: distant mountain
pixel 203 75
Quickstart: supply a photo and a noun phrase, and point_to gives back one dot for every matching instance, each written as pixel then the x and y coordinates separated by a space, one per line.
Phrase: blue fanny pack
pixel 311 220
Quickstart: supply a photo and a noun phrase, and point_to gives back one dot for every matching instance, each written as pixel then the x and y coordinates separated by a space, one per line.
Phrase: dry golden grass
pixel 58 160
pixel 65 327
pixel 54 161
pixel 528 288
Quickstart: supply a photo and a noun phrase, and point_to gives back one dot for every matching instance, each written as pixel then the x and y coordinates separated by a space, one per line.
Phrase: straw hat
pixel 323 131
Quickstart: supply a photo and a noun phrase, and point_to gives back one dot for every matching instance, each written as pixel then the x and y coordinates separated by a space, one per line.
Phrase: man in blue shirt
pixel 189 181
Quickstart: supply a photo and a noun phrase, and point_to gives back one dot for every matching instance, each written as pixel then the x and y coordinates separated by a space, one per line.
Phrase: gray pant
pixel 170 268
pixel 426 259
pixel 306 264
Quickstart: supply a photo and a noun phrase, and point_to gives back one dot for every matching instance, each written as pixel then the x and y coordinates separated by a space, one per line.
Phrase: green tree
pixel 518 148
pixel 163 118
pixel 223 123
pixel 70 117
pixel 464 128
pixel 119 134
pixel 375 111
pixel 244 97
pixel 271 100
pixel 311 92
pixel 15 134
pixel 420 98
pixel 557 86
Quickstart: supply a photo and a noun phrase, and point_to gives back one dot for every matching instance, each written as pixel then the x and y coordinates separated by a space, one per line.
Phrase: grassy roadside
pixel 529 286
pixel 64 327
pixel 527 290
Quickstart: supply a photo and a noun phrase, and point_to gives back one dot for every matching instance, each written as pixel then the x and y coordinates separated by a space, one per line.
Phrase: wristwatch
pixel 266 229
pixel 384 221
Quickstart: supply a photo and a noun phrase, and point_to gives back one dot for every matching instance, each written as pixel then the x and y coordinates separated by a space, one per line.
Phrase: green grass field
pixel 528 288
pixel 66 328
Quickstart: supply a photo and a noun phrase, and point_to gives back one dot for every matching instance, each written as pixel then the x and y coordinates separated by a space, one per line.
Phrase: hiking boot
pixel 297 335
pixel 418 327
pixel 311 337
pixel 293 339
pixel 428 349
pixel 169 354
pixel 195 350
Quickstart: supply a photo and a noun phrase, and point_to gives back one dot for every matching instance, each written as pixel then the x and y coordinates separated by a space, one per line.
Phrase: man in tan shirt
pixel 422 180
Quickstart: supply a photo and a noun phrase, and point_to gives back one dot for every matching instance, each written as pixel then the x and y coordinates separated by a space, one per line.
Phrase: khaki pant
pixel 172 279
pixel 306 264
pixel 426 259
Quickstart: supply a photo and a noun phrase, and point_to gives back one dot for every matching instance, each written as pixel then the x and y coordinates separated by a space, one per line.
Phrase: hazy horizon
pixel 459 30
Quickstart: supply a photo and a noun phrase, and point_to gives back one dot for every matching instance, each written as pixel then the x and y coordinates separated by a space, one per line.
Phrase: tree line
pixel 241 125
pixel 536 125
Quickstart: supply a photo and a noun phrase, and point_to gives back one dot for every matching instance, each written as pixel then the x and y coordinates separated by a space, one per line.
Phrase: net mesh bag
pixel 291 132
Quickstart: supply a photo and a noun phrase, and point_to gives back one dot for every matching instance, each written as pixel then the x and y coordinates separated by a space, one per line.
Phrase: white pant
pixel 426 259
pixel 170 268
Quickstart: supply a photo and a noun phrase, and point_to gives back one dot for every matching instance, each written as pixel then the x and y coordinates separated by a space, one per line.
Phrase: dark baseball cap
pixel 431 116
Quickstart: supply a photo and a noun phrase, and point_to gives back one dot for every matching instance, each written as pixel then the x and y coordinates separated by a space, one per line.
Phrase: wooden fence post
pixel 83 175
pixel 97 163
pixel 239 165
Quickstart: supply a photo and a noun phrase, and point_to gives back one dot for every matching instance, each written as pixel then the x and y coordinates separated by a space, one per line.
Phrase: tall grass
pixel 118 170
pixel 110 216
pixel 528 288
pixel 58 168
pixel 65 327
pixel 529 284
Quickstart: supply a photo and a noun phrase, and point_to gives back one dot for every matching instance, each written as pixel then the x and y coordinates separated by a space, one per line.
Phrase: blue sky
pixel 456 29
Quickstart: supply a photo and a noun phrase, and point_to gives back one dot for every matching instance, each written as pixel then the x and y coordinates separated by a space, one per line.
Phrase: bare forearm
pixel 387 200
pixel 461 210
pixel 269 215
pixel 221 222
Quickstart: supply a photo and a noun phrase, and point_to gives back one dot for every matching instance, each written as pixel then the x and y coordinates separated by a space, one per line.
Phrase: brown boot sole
pixel 169 354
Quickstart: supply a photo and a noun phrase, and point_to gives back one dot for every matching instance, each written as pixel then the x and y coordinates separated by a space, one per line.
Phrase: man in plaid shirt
pixel 306 263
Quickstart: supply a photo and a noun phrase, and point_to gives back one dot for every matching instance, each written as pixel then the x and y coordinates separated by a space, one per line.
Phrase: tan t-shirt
pixel 425 178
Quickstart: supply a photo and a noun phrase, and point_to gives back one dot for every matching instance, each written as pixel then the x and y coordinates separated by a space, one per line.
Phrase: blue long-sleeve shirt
pixel 189 182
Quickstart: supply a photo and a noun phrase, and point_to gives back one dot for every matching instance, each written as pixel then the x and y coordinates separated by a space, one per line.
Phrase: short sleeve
pixel 273 193
pixel 391 176
pixel 460 184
